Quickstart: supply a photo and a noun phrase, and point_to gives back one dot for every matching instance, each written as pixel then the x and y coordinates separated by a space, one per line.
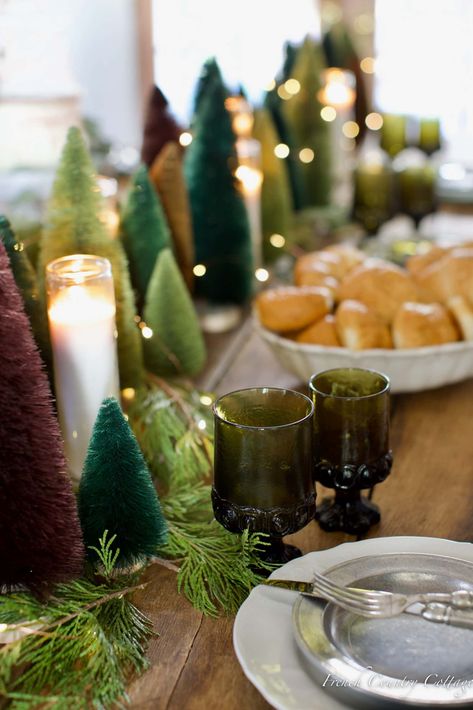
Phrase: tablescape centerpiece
pixel 351 444
pixel 74 631
pixel 81 312
pixel 263 464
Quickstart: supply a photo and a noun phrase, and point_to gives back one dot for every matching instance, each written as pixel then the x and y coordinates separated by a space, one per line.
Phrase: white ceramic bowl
pixel 409 370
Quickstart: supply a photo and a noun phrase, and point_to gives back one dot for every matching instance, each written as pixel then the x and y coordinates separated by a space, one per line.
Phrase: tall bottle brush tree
pixel 144 231
pixel 209 76
pixel 25 277
pixel 177 345
pixel 221 229
pixel 40 538
pixel 276 199
pixel 167 175
pixel 160 126
pixel 302 112
pixel 116 492
pixel 73 227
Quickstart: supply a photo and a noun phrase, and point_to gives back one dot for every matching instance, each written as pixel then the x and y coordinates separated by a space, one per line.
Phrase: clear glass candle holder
pixel 351 444
pixel 263 465
pixel 81 312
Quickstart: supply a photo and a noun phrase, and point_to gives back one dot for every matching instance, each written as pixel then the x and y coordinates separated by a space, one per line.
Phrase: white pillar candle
pixel 81 311
pixel 251 180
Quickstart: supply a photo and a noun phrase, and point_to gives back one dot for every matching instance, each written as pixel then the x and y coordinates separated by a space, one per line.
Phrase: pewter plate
pixel 405 660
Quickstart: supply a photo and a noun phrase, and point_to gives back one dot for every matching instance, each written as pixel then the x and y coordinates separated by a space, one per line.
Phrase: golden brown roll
pixel 359 328
pixel 452 275
pixel 323 332
pixel 309 263
pixel 381 286
pixel 421 261
pixel 463 315
pixel 417 325
pixel 290 308
pixel 318 278
pixel 350 256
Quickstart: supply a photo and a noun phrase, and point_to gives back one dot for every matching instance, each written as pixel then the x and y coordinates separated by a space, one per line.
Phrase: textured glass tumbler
pixel 351 444
pixel 263 465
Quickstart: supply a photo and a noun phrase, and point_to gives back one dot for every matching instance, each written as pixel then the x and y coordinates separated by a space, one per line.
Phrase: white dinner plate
pixel 263 633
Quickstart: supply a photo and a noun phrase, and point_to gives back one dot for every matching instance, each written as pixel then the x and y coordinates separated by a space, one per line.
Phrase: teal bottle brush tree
pixel 221 229
pixel 116 493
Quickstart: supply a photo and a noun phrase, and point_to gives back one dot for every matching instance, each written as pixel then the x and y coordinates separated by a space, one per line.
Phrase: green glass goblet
pixel 351 444
pixel 263 465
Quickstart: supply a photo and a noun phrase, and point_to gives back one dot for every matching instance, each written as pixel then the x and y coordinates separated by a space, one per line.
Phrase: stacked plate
pixel 305 654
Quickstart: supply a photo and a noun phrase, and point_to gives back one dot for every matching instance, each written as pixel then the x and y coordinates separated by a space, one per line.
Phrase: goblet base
pixel 353 516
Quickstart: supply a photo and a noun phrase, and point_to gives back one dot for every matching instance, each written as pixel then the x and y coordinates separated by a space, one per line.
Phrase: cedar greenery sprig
pixel 84 645
pixel 175 431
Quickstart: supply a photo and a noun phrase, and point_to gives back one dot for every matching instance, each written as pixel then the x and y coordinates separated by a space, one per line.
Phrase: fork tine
pixel 355 607
pixel 352 595
pixel 330 583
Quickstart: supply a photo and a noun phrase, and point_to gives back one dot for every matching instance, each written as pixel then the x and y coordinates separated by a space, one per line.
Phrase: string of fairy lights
pixel 337 96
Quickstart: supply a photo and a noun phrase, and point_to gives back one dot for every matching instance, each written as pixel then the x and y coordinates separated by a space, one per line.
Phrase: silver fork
pixel 380 604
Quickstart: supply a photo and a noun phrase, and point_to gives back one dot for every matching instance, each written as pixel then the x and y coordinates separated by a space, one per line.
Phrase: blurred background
pixel 366 104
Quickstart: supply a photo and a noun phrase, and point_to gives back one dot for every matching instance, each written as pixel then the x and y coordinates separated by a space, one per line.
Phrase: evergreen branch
pixel 217 568
pixel 185 408
pixel 90 639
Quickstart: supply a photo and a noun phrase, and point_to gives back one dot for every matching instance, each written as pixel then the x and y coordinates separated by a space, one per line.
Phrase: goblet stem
pixel 348 512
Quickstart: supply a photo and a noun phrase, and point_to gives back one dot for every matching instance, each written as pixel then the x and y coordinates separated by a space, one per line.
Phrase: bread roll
pixel 350 256
pixel 318 278
pixel 359 328
pixel 381 286
pixel 417 325
pixel 452 275
pixel 309 263
pixel 289 308
pixel 323 332
pixel 421 261
pixel 463 315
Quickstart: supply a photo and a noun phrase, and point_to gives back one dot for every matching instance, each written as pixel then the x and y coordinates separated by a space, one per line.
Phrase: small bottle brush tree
pixel 167 175
pixel 302 112
pixel 40 538
pixel 221 229
pixel 160 126
pixel 73 227
pixel 276 202
pixel 144 231
pixel 116 492
pixel 25 277
pixel 177 345
pixel 273 103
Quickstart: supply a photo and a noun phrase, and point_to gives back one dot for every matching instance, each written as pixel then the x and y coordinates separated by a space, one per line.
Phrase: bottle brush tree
pixel 160 126
pixel 209 76
pixel 221 229
pixel 73 227
pixel 144 231
pixel 177 345
pixel 276 199
pixel 273 103
pixel 167 175
pixel 40 537
pixel 310 131
pixel 25 277
pixel 116 492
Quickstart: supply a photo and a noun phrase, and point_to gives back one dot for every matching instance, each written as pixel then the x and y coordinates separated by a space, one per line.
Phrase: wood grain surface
pixel 429 492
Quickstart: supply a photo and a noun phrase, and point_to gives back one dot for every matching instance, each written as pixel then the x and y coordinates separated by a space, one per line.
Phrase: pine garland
pixel 85 642
pixel 216 568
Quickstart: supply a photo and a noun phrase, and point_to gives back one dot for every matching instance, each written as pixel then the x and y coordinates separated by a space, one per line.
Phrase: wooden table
pixel 429 492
